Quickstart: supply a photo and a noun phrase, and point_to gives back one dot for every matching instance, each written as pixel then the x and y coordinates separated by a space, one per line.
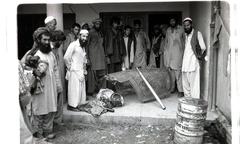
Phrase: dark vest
pixel 196 47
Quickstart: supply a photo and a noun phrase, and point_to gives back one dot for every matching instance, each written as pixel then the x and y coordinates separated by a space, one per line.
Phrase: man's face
pixel 45 40
pixel 172 22
pixel 187 27
pixel 114 25
pixel 83 39
pixel 57 44
pixel 164 30
pixel 76 30
pixel 97 25
pixel 86 27
pixel 52 25
pixel 44 43
pixel 137 27
pixel 127 31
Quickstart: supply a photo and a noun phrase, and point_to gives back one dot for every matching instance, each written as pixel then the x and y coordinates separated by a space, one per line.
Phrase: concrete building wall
pixel 86 13
pixel 200 13
pixel 223 81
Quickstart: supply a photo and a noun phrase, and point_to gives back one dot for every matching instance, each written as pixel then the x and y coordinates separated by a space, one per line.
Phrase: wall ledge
pixel 224 127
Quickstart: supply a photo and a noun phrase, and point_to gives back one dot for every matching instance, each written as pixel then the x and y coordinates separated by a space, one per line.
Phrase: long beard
pixel 83 43
pixel 44 48
pixel 188 31
pixel 97 29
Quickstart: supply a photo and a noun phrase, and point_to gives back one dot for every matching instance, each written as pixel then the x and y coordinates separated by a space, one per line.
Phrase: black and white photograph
pixel 160 72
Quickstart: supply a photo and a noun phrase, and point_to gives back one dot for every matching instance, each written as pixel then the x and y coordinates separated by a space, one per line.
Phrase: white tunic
pixel 190 62
pixel 75 59
pixel 46 102
pixel 126 61
pixel 191 68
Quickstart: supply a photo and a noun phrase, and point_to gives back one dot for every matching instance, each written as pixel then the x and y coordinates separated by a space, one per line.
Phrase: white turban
pixel 187 19
pixel 48 19
pixel 84 31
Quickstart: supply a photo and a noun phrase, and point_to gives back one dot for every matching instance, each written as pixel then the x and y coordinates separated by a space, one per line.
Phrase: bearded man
pixel 75 60
pixel 194 53
pixel 97 57
pixel 44 105
pixel 57 40
pixel 173 54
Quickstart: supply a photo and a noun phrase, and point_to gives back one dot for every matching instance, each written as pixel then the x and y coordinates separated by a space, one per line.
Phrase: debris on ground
pixel 121 134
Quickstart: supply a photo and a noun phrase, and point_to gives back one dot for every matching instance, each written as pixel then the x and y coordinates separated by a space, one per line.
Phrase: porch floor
pixel 133 112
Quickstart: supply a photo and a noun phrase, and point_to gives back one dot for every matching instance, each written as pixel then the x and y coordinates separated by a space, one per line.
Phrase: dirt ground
pixel 122 134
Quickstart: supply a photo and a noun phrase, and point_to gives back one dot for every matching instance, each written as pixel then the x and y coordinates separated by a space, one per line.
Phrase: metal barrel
pixel 191 115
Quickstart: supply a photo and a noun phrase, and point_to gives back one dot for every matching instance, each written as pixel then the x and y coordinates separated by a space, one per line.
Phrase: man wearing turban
pixel 97 58
pixel 44 105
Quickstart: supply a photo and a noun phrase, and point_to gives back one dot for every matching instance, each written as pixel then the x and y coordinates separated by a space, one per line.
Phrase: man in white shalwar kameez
pixel 193 55
pixel 75 60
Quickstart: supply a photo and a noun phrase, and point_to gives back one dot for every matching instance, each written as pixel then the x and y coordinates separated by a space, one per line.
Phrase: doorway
pixel 28 23
pixel 162 18
pixel 148 20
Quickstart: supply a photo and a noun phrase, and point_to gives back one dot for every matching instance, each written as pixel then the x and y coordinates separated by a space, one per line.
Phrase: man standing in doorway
pixel 129 45
pixel 142 45
pixel 97 59
pixel 114 46
pixel 173 54
pixel 72 36
pixel 154 52
pixel 75 59
pixel 194 54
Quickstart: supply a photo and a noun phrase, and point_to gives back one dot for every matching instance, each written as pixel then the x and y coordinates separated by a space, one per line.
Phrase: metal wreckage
pixel 149 84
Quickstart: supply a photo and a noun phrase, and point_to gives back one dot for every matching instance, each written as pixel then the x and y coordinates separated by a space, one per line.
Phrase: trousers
pixel 191 83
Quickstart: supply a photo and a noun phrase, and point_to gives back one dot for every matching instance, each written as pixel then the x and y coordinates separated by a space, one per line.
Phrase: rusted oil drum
pixel 191 115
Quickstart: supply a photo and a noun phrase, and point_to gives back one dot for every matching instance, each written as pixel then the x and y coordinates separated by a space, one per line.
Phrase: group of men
pixel 88 54
pixel 181 50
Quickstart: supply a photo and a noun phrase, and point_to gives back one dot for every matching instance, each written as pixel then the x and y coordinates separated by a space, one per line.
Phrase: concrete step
pixel 134 113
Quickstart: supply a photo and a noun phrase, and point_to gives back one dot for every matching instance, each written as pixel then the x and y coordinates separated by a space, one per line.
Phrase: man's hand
pixel 37 73
pixel 108 60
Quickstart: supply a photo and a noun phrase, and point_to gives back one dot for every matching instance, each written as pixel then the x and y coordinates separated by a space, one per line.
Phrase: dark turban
pixel 39 31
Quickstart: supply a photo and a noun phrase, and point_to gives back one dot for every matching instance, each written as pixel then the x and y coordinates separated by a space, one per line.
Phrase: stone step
pixel 133 113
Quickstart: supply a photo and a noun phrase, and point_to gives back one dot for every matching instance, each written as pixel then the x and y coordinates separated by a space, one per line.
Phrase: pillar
pixel 56 10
